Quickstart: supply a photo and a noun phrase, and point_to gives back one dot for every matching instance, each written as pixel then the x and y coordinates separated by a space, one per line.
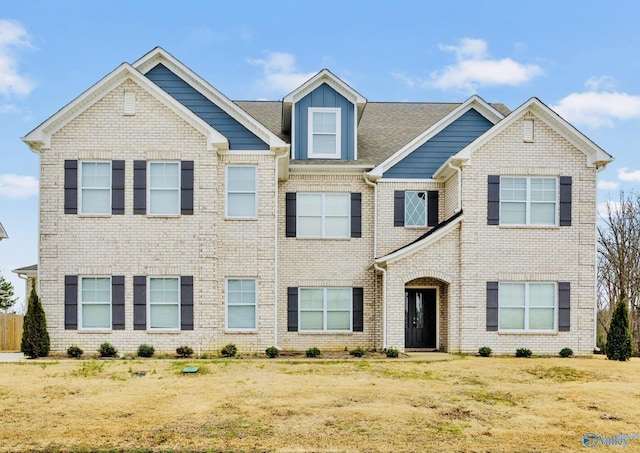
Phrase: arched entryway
pixel 425 314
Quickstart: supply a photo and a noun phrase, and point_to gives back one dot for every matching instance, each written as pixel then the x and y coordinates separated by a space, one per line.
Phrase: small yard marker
pixel 190 369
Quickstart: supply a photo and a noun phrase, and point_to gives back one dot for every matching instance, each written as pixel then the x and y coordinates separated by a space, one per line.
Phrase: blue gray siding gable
pixel 324 96
pixel 425 160
pixel 240 138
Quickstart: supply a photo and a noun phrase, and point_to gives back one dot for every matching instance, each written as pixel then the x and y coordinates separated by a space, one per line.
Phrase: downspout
pixel 375 213
pixel 275 247
pixel 459 171
pixel 595 277
pixel 384 303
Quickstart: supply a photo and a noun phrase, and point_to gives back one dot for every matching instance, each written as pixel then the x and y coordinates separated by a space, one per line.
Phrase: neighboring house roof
pixel 28 271
pixel 3 233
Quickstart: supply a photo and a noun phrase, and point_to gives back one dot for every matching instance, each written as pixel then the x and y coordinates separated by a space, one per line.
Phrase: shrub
pixel 485 351
pixel 523 352
pixel 184 351
pixel 229 350
pixel 107 350
pixel 619 337
pixel 392 353
pixel 145 350
pixel 566 352
pixel 313 352
pixel 74 351
pixel 358 352
pixel 272 352
pixel 35 338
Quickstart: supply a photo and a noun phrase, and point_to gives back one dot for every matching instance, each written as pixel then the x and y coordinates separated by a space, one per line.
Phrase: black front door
pixel 420 318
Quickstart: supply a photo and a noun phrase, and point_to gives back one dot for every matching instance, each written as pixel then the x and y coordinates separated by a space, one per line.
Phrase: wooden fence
pixel 10 332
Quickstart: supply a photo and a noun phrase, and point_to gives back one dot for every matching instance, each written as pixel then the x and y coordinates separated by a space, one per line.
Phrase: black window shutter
pixel 71 302
pixel 565 200
pixel 70 186
pixel 117 302
pixel 139 302
pixel 432 208
pixel 139 186
pixel 292 309
pixel 493 200
pixel 186 187
pixel 492 306
pixel 117 187
pixel 356 215
pixel 398 208
pixel 358 309
pixel 290 201
pixel 564 306
pixel 186 303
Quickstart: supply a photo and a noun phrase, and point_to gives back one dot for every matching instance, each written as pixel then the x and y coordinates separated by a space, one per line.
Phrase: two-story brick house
pixel 172 215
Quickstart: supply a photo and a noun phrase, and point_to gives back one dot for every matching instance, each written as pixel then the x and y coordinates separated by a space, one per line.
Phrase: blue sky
pixel 582 58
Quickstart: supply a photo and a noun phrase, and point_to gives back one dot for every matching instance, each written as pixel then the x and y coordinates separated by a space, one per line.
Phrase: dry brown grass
pixel 466 404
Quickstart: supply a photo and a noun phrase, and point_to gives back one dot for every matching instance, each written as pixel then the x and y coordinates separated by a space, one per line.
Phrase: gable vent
pixel 129 103
pixel 528 131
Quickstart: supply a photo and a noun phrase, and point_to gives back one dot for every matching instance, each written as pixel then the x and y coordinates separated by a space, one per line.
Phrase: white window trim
pixel 81 187
pixel 322 215
pixel 148 290
pixel 310 133
pixel 81 303
pixel 148 188
pixel 325 311
pixel 528 203
pixel 226 304
pixel 527 307
pixel 254 192
pixel 426 208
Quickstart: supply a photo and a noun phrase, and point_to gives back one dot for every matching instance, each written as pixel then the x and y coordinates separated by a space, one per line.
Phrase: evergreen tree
pixel 619 336
pixel 6 294
pixel 35 338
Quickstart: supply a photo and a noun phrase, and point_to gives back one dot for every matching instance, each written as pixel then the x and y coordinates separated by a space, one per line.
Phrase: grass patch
pixel 561 374
pixel 89 368
pixel 493 397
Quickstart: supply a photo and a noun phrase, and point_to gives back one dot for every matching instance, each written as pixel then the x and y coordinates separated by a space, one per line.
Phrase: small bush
pixel 107 350
pixel 392 353
pixel 523 352
pixel 485 351
pixel 272 352
pixel 313 352
pixel 566 352
pixel 358 352
pixel 229 350
pixel 184 351
pixel 74 352
pixel 145 350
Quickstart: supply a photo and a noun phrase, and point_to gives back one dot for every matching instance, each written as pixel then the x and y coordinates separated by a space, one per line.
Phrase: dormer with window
pixel 322 117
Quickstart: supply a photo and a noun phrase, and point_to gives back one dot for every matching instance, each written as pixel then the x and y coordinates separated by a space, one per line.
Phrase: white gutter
pixel 459 171
pixel 275 257
pixel 384 303
pixel 595 279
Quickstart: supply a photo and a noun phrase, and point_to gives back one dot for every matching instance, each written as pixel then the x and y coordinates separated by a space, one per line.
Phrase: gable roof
pixel 3 233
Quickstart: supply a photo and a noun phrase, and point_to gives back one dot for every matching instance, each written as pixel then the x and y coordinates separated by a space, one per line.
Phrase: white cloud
pixel 475 68
pixel 280 73
pixel 598 83
pixel 625 175
pixel 607 185
pixel 16 186
pixel 12 36
pixel 596 109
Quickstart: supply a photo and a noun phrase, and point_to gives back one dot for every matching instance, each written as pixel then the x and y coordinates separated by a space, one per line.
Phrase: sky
pixel 582 58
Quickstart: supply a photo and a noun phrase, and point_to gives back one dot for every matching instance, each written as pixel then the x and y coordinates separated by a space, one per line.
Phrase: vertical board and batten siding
pixel 423 162
pixel 240 138
pixel 324 96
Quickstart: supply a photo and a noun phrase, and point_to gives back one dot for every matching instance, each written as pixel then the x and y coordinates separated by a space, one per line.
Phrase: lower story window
pixel 527 306
pixel 241 304
pixel 95 303
pixel 325 309
pixel 164 303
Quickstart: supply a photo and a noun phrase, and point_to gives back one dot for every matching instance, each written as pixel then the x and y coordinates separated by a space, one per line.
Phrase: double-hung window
pixel 527 306
pixel 241 304
pixel 95 303
pixel 95 187
pixel 164 188
pixel 164 303
pixel 242 182
pixel 325 309
pixel 324 133
pixel 528 201
pixel 323 215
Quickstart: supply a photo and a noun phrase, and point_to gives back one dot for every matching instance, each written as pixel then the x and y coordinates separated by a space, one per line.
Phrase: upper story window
pixel 415 208
pixel 164 188
pixel 324 133
pixel 242 185
pixel 95 187
pixel 527 306
pixel 95 303
pixel 323 215
pixel 528 201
